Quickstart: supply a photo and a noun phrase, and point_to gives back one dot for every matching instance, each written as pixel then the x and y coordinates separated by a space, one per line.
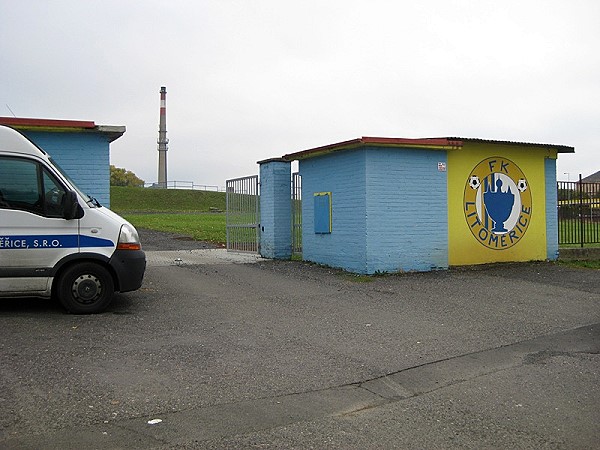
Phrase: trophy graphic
pixel 499 205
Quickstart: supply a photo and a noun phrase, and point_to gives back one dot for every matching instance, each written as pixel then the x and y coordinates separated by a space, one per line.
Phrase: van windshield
pixel 85 196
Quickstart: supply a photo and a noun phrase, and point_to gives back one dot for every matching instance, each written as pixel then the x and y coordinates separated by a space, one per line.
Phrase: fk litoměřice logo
pixel 497 203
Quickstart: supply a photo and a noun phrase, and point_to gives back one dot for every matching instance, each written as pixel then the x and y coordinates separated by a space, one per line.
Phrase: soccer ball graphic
pixel 474 182
pixel 522 185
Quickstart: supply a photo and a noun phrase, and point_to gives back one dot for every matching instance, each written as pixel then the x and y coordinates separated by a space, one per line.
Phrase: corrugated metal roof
pixel 558 148
pixel 440 143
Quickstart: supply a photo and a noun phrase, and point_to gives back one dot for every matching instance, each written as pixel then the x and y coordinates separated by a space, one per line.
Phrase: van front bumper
pixel 129 266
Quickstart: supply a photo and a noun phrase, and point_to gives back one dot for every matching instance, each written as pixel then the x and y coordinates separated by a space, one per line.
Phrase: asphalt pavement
pixel 220 351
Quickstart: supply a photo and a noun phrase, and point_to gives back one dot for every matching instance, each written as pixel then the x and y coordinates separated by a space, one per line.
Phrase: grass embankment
pixel 135 200
pixel 592 264
pixel 199 214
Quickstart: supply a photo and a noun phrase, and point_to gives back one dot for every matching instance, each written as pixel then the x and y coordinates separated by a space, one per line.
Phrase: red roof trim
pixel 443 143
pixel 453 142
pixel 440 143
pixel 47 123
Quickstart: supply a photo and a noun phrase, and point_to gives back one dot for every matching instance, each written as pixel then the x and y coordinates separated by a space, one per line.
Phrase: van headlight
pixel 128 238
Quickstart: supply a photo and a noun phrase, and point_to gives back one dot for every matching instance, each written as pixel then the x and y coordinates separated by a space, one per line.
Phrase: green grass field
pixel 125 199
pixel 570 233
pixel 175 210
pixel 201 226
pixel 593 264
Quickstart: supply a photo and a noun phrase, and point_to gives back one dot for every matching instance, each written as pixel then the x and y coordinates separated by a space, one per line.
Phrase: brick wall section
pixel 407 210
pixel 275 210
pixel 389 210
pixel 342 174
pixel 551 209
pixel 85 157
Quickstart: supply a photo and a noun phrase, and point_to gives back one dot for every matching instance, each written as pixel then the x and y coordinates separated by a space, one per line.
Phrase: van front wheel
pixel 85 288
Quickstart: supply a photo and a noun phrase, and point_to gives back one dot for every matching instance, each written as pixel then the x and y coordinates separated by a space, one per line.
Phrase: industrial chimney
pixel 162 140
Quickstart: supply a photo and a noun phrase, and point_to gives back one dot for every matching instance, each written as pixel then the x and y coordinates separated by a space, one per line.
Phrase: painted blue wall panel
pixel 84 156
pixel 389 210
pixel 342 174
pixel 407 210
pixel 322 212
pixel 275 210
pixel 551 209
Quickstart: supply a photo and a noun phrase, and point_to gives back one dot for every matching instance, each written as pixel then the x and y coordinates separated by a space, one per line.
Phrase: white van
pixel 57 241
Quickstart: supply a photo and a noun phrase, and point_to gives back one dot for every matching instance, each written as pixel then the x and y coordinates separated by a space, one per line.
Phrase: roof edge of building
pixel 424 143
pixel 558 147
pixel 30 122
pixel 113 132
pixel 440 143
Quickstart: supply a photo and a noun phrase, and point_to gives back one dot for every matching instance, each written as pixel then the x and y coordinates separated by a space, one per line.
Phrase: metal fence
pixel 243 215
pixel 185 185
pixel 578 213
pixel 296 213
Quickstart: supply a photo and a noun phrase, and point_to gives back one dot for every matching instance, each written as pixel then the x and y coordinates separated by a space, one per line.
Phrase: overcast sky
pixel 254 79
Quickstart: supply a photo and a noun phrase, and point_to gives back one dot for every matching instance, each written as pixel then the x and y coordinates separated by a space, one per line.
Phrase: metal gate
pixel 296 213
pixel 578 213
pixel 243 215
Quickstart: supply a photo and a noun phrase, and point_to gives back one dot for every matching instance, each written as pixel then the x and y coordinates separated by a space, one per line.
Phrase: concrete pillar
pixel 275 209
pixel 551 209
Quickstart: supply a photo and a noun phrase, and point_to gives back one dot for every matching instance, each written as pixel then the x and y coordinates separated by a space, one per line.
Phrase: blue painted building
pixel 81 148
pixel 378 219
pixel 394 204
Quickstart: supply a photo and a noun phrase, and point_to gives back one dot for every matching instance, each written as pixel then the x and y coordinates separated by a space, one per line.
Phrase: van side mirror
pixel 71 208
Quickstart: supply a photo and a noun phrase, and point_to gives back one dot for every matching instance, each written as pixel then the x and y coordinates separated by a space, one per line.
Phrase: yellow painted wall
pixel 518 243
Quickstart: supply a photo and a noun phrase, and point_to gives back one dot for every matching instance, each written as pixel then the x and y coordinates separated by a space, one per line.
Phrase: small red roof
pixel 111 132
pixel 25 122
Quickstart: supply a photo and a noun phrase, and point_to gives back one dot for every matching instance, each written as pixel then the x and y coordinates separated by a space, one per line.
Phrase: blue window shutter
pixel 322 205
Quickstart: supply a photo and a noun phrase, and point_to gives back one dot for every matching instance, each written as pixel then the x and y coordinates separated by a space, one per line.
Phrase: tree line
pixel 123 177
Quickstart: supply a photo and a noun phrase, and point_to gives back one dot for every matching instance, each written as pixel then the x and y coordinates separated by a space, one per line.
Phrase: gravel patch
pixel 160 240
pixel 172 249
pixel 198 257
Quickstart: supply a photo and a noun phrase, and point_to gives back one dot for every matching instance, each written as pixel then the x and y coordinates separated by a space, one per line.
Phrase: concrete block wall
pixel 275 209
pixel 389 210
pixel 551 209
pixel 407 210
pixel 85 157
pixel 344 175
